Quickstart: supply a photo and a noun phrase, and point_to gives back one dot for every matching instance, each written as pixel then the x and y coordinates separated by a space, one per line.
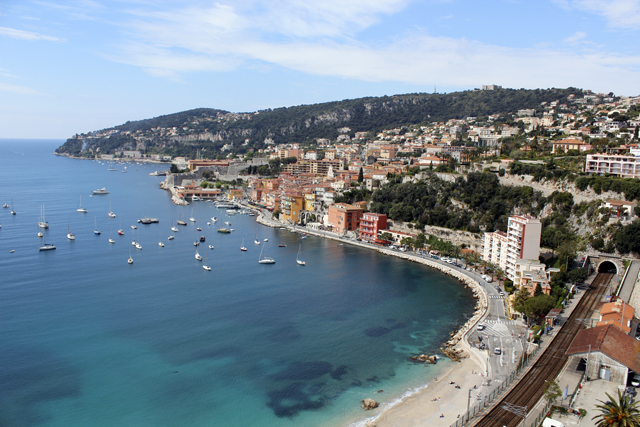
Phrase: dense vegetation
pixel 305 123
pixel 480 202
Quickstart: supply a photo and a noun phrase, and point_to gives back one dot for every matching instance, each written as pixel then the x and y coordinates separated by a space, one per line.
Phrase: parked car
pixel 497 351
pixel 481 327
pixel 635 380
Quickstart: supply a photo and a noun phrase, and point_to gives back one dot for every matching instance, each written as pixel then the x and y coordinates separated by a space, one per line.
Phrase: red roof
pixel 609 340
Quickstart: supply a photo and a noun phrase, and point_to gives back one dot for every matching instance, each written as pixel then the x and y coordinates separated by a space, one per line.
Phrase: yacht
pixel 80 208
pixel 70 235
pixel 47 247
pixel 111 213
pixel 181 222
pixel 298 260
pixel 42 223
pixel 265 260
pixel 102 190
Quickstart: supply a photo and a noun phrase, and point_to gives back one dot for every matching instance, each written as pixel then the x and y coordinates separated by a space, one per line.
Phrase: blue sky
pixel 81 65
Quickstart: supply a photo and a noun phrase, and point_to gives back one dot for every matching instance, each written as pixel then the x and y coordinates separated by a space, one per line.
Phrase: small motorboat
pixel 282 245
pixel 120 232
pixel 199 229
pixel 161 244
pixel 134 227
pixel 210 246
pixel 171 237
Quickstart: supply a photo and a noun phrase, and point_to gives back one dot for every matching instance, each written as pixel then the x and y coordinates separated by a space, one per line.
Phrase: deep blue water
pixel 86 339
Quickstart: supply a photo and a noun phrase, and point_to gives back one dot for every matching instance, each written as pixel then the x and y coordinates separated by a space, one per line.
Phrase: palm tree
pixel 620 413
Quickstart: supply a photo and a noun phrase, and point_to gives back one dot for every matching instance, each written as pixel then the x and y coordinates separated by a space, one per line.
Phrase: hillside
pixel 181 134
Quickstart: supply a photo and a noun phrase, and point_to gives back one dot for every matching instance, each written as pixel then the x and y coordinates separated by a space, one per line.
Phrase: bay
pixel 89 340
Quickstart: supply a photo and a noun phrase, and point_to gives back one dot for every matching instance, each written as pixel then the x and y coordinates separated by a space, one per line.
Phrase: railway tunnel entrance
pixel 607 267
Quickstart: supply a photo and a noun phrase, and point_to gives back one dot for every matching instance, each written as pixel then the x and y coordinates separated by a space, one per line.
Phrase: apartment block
pixel 520 242
pixel 292 204
pixel 622 166
pixel 344 217
pixel 371 224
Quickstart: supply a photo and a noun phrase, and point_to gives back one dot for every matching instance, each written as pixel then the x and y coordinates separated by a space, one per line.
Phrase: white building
pixel 522 241
pixel 622 166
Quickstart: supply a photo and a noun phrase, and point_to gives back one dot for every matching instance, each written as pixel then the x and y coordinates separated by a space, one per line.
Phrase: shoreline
pixel 420 407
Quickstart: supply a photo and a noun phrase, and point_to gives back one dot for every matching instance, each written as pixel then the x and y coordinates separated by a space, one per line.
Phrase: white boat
pixel 198 256
pixel 266 240
pixel 265 260
pixel 13 212
pixel 160 240
pixel 227 223
pixel 161 244
pixel 130 260
pixel 242 248
pixel 214 219
pixel 256 241
pixel 111 213
pixel 40 234
pixel 210 246
pixel 174 229
pixel 195 198
pixel 134 227
pixel 42 223
pixel 111 235
pixel 95 227
pixel 298 260
pixel 47 247
pixel 171 237
pixel 80 208
pixel 70 235
pixel 102 190
pixel 111 240
pixel 206 265
pixel 231 212
pixel 138 246
pixel 192 219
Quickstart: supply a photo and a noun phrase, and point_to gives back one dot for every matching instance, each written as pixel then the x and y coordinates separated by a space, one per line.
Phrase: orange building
pixel 617 313
pixel 344 217
pixel 291 205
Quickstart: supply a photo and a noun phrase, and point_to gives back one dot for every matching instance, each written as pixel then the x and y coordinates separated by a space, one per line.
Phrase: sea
pixel 87 339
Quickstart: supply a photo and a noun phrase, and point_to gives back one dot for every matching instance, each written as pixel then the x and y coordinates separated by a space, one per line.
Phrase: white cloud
pixel 618 13
pixel 320 40
pixel 25 35
pixel 576 37
pixel 19 90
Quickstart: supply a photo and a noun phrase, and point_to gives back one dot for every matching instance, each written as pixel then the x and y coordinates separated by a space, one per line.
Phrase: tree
pixel 577 275
pixel 618 413
pixel 386 236
pixel 552 391
pixel 521 297
pixel 360 176
pixel 538 291
pixel 539 306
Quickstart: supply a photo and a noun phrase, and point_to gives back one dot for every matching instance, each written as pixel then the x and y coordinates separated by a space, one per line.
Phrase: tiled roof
pixel 610 341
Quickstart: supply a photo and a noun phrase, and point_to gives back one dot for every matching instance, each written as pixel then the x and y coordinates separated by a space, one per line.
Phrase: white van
pixel 549 422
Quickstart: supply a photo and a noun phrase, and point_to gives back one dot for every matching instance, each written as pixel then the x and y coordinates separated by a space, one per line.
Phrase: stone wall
pixel 473 241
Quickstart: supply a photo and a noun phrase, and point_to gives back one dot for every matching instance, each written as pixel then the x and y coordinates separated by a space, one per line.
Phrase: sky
pixel 75 66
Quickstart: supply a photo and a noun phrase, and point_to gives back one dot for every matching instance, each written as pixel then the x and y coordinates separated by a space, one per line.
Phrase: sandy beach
pixel 438 398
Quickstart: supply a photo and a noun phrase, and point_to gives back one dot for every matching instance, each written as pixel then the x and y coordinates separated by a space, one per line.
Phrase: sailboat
pixel 6 205
pixel 70 235
pixel 192 219
pixel 110 235
pixel 47 246
pixel 180 221
pixel 130 260
pixel 206 265
pixel 159 240
pixel 95 227
pixel 198 256
pixel 298 260
pixel 242 248
pixel 42 223
pixel 173 228
pixel 80 208
pixel 111 213
pixel 120 232
pixel 265 260
pixel 256 241
pixel 138 245
pixel 13 212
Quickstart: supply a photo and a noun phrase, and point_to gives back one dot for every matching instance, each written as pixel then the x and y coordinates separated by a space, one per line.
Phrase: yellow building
pixel 309 201
pixel 235 193
pixel 292 205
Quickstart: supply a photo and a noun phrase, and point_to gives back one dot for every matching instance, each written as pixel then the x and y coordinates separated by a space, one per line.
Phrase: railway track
pixel 530 388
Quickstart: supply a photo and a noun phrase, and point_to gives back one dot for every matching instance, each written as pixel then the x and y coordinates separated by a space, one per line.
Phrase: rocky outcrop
pixel 425 359
pixel 369 404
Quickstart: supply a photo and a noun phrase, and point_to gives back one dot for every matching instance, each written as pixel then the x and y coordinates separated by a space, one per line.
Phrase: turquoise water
pixel 89 340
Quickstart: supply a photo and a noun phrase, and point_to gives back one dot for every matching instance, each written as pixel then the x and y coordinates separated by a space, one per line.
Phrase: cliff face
pixel 211 129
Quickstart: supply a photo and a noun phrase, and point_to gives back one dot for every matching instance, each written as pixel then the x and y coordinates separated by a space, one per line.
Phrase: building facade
pixel 344 217
pixel 622 166
pixel 370 226
pixel 521 241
